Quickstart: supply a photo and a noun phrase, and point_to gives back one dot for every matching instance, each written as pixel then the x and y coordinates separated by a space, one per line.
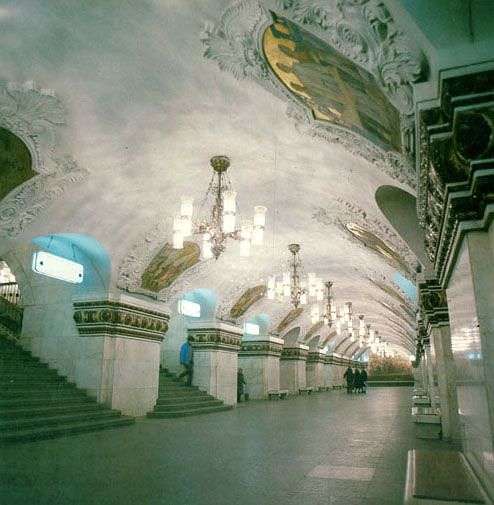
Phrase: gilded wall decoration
pixel 372 233
pixel 313 330
pixel 334 88
pixel 168 265
pixel 289 319
pixel 372 241
pixel 248 298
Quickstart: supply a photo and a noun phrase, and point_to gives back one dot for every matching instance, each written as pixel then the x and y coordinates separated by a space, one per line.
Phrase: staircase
pixel 177 400
pixel 36 403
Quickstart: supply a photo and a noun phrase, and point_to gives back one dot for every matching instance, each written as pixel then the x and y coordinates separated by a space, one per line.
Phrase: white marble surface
pixel 262 374
pixel 315 374
pixel 292 375
pixel 215 371
pixel 471 304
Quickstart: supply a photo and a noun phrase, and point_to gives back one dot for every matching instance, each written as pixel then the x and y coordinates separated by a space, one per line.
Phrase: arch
pixel 400 209
pixel 262 320
pixel 16 165
pixel 292 336
pixel 83 249
pixel 207 299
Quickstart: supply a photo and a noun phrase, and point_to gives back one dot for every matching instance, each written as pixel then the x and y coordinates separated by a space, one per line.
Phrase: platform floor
pixel 328 448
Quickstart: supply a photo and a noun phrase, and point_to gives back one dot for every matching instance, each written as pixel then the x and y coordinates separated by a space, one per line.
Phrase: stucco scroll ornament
pixel 362 31
pixel 35 116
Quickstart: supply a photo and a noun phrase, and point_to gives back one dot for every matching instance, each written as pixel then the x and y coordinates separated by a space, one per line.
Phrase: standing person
pixel 240 384
pixel 364 377
pixel 187 362
pixel 349 380
pixel 357 381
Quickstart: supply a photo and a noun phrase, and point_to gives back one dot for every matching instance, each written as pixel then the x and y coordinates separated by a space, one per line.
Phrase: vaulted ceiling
pixel 131 100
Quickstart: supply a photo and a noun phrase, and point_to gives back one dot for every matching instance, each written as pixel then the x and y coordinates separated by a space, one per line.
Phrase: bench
pixel 442 478
pixel 338 386
pixel 324 388
pixel 307 390
pixel 421 400
pixel 422 414
pixel 278 393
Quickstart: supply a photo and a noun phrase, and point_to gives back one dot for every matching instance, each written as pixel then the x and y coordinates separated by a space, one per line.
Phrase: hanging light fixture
pixel 293 287
pixel 220 225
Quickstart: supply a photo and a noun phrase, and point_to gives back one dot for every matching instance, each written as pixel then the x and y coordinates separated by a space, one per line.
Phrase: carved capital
pixel 116 319
pixel 294 353
pixel 260 348
pixel 214 339
pixel 433 306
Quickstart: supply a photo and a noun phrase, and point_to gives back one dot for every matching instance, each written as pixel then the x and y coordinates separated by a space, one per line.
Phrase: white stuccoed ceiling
pixel 146 111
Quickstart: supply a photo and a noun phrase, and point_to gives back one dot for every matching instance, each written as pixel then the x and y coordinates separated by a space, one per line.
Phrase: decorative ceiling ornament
pixel 363 31
pixel 370 232
pixel 289 319
pixel 292 286
pixel 135 262
pixel 219 225
pixel 248 298
pixel 168 264
pixel 35 115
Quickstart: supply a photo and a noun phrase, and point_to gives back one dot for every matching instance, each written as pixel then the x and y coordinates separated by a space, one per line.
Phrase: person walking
pixel 187 362
pixel 240 384
pixel 357 381
pixel 348 375
pixel 363 378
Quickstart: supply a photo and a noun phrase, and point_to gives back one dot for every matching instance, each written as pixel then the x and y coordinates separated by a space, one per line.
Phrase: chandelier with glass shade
pixel 216 222
pixel 293 286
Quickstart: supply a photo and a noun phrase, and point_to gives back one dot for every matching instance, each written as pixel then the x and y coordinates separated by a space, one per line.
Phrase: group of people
pixel 356 380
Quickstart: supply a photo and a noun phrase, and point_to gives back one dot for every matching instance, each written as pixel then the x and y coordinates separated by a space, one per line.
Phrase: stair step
pixel 191 412
pixel 64 391
pixel 49 382
pixel 186 405
pixel 33 422
pixel 184 399
pixel 63 430
pixel 33 402
pixel 47 411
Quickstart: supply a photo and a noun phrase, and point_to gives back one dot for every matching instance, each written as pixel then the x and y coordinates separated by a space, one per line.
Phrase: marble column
pixel 259 358
pixel 447 382
pixel 328 371
pixel 119 351
pixel 315 366
pixel 292 367
pixel 215 347
pixel 430 376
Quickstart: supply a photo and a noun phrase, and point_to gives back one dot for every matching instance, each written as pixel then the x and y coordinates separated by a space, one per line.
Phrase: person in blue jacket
pixel 187 362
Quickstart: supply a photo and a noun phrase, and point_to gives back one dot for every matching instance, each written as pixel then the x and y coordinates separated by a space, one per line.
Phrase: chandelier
pixel 328 314
pixel 292 286
pixel 219 225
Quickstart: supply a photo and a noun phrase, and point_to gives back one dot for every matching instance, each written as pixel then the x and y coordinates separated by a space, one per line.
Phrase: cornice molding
pixel 106 318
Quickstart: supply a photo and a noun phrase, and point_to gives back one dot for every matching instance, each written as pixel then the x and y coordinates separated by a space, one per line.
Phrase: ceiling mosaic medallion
pixel 15 162
pixel 248 298
pixel 334 88
pixel 373 242
pixel 289 318
pixel 168 265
